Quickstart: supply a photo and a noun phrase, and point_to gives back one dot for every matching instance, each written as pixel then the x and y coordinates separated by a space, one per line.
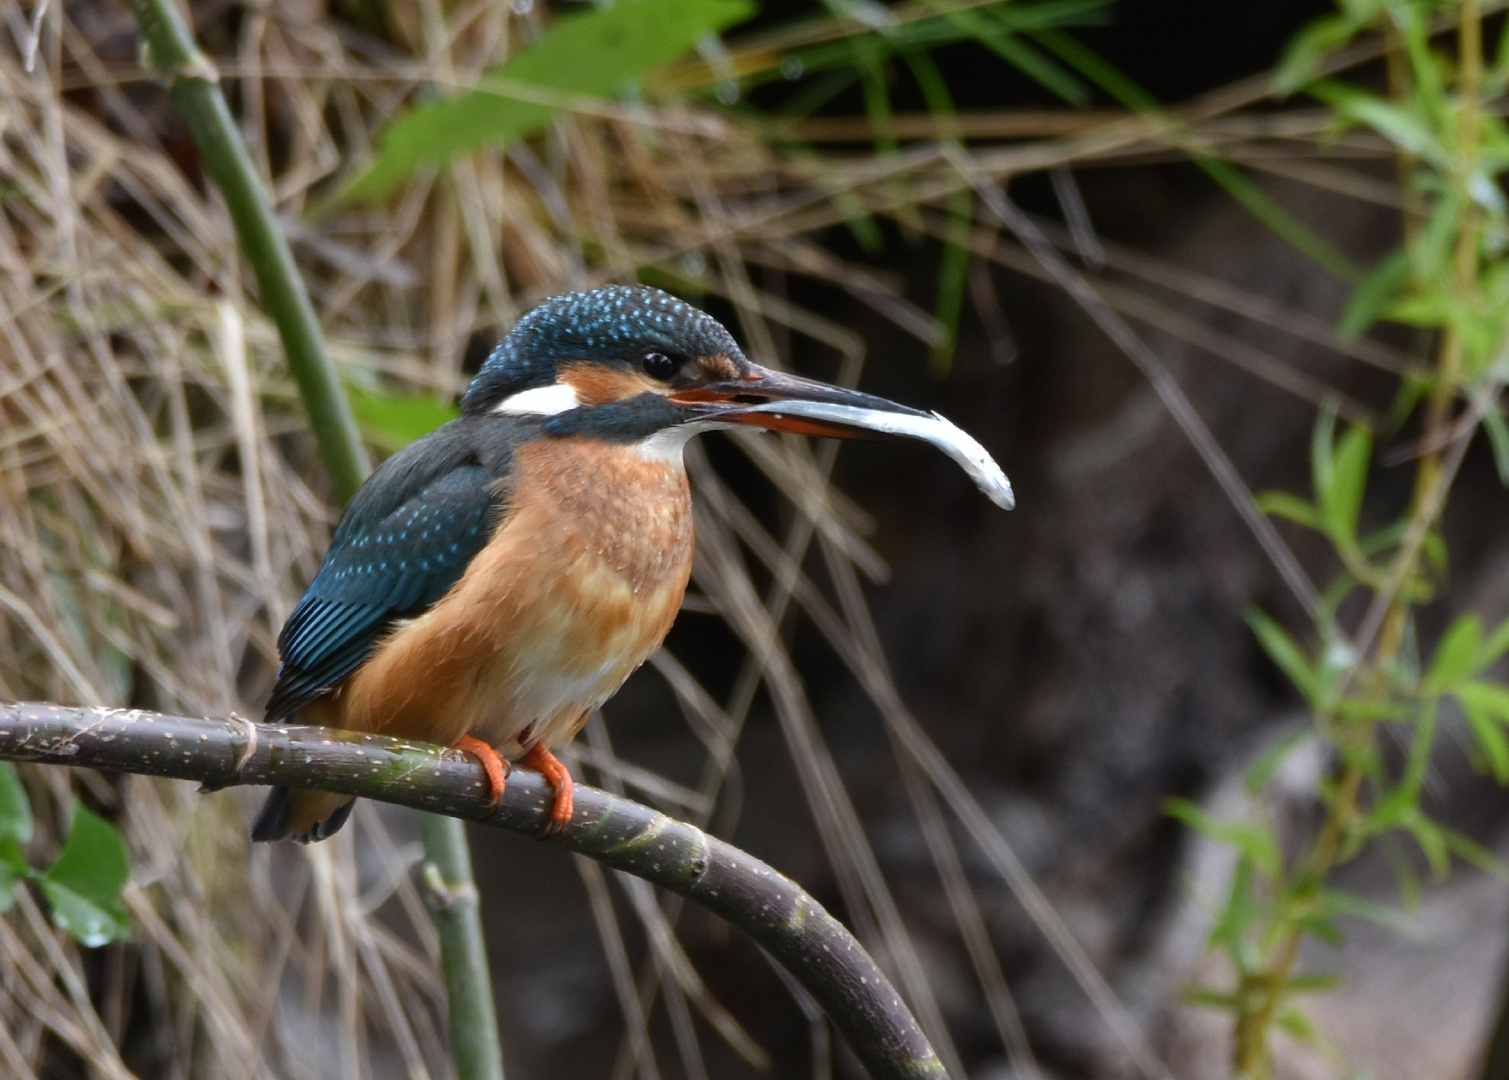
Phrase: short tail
pixel 305 816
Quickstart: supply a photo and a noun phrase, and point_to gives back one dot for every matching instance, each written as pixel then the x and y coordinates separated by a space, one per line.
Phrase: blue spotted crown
pixel 616 322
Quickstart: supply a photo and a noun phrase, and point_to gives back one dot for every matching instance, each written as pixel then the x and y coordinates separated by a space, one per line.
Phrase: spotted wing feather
pixel 404 541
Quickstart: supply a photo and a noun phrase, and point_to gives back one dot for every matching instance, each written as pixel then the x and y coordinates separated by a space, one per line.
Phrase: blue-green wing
pixel 404 541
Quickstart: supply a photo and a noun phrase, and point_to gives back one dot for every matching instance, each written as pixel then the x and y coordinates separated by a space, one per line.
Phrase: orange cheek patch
pixel 598 385
pixel 718 367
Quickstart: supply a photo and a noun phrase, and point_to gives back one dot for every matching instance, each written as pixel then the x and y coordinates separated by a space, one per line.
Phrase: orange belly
pixel 577 588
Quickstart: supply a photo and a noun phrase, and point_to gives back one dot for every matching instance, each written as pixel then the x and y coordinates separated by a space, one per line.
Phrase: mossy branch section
pixel 771 908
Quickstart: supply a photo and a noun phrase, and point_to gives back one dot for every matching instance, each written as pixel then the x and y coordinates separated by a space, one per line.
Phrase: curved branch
pixel 771 908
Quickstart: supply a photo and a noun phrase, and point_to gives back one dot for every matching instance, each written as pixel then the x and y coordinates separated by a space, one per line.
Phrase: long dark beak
pixel 755 400
pixel 772 399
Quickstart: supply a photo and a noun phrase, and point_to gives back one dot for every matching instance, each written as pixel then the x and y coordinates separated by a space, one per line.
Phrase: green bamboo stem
pixel 451 893
pixel 194 86
pixel 791 926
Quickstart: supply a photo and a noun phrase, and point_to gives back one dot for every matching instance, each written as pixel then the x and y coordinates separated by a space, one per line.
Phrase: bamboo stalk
pixel 194 86
pixel 455 905
pixel 791 926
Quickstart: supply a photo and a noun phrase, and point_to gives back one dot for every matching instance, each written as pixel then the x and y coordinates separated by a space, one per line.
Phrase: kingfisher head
pixel 631 364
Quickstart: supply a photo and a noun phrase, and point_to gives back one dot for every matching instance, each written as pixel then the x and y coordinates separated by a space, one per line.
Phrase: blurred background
pixel 826 179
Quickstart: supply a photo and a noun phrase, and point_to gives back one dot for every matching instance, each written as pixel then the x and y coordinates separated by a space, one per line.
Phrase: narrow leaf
pixel 1283 505
pixel 1432 841
pixel 1255 842
pixel 1498 439
pixel 1456 654
pixel 1339 902
pixel 1269 760
pixel 1317 983
pixel 1470 851
pixel 1298 1025
pixel 1490 699
pixel 1308 48
pixel 1395 123
pixel 1212 999
pixel 1490 739
pixel 1373 295
pixel 1284 651
pixel 1342 499
pixel 591 54
pixel 1495 646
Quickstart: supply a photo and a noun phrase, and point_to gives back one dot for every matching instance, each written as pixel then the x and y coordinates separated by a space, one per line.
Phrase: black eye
pixel 657 365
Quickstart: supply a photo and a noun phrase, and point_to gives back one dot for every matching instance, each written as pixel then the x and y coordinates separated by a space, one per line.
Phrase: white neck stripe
pixel 540 401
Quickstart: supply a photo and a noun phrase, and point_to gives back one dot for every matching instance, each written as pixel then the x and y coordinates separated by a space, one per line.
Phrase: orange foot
pixel 543 761
pixel 492 764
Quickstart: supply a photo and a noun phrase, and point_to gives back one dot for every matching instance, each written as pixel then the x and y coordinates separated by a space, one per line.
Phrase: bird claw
pixel 549 766
pixel 492 764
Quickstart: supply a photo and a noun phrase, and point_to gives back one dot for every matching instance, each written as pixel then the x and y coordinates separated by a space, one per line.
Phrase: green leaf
pixel 1435 552
pixel 1491 741
pixel 9 879
pixel 1432 255
pixel 392 421
pixel 1284 651
pixel 1338 902
pixel 1470 851
pixel 1241 911
pixel 1283 505
pixel 1297 1025
pixel 1489 699
pixel 592 54
pixel 1498 439
pixel 1398 124
pixel 1269 760
pixel 1257 843
pixel 1211 999
pixel 1314 42
pixel 1373 295
pixel 1022 56
pixel 1278 220
pixel 1341 500
pixel 1317 983
pixel 1323 452
pixel 1456 654
pixel 1432 841
pixel 1322 928
pixel 15 807
pixel 1403 867
pixel 1369 709
pixel 1496 645
pixel 84 885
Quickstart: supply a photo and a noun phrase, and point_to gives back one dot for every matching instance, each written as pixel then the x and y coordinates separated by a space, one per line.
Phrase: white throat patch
pixel 540 401
pixel 667 444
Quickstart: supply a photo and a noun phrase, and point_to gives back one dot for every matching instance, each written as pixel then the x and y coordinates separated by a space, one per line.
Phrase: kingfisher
pixel 494 582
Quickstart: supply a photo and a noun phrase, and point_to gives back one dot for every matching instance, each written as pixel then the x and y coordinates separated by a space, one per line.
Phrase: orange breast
pixel 578 587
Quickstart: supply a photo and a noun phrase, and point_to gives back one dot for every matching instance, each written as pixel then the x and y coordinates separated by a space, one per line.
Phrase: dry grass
pixel 161 507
